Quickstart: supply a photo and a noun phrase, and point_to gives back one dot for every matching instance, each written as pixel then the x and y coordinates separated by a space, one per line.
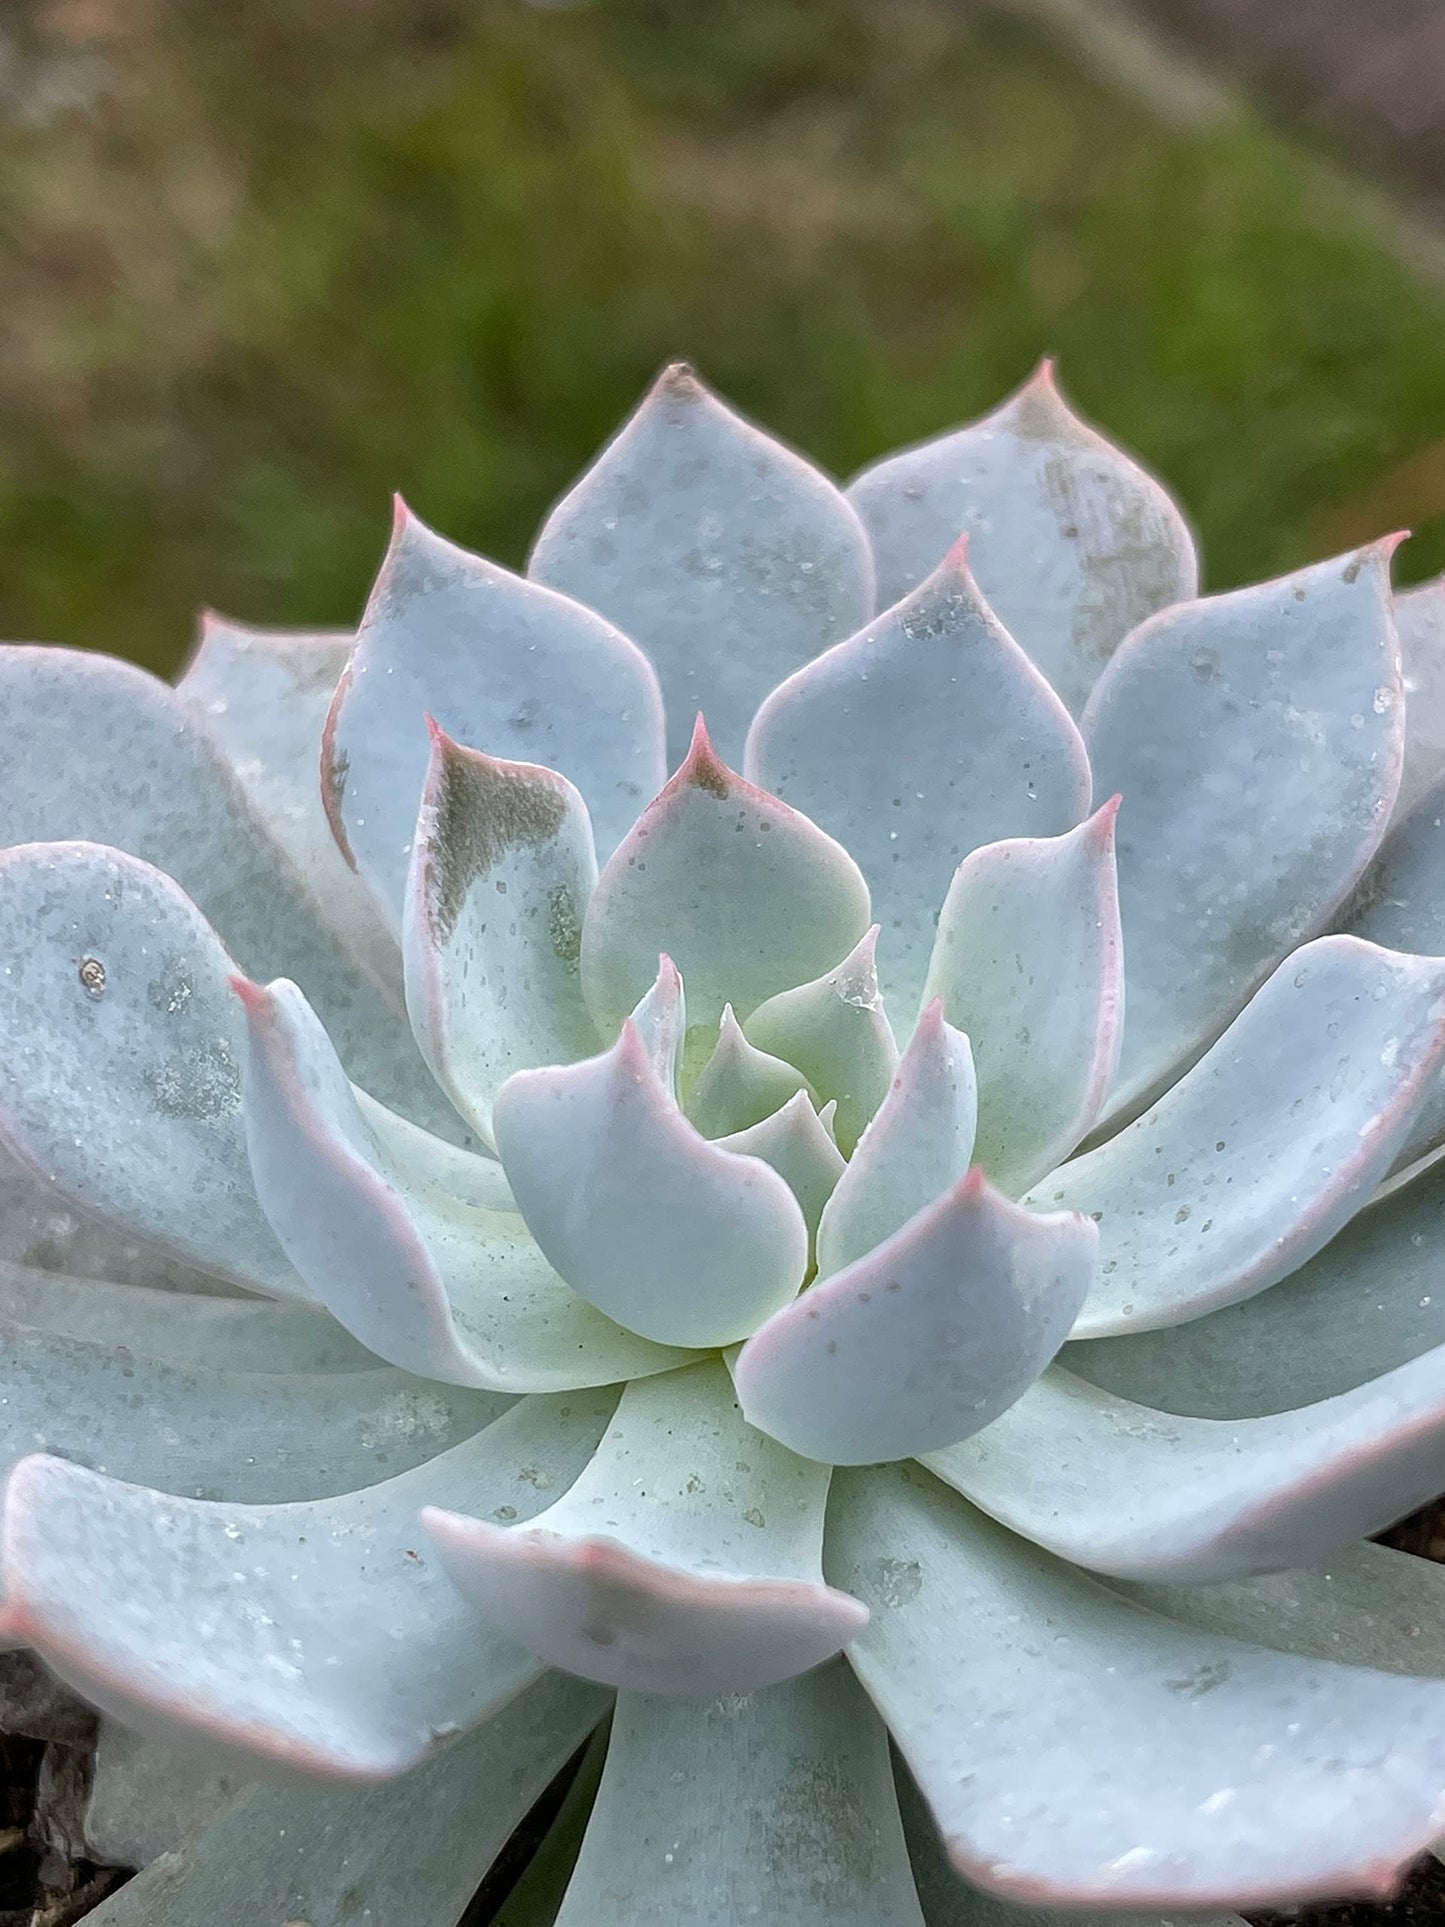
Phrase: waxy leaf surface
pixel 928 733
pixel 453 1290
pixel 837 1033
pixel 777 1806
pixel 925 1339
pixel 413 1851
pixel 1141 1494
pixel 917 1146
pixel 1073 543
pixel 1263 1151
pixel 1029 960
pixel 505 666
pixel 120 1048
pixel 671 1236
pixel 492 930
pixel 744 894
pixel 685 1559
pixel 729 558
pixel 318 1638
pixel 1159 1765
pixel 1257 739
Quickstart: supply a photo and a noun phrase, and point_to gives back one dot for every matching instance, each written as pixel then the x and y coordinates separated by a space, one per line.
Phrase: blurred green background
pixel 263 262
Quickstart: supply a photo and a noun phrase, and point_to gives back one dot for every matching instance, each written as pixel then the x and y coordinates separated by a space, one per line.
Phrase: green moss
pixel 288 263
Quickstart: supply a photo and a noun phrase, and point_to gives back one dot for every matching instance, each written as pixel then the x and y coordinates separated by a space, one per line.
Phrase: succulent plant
pixel 766 1281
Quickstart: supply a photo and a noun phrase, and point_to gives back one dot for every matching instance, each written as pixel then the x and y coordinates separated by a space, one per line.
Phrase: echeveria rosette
pixel 813 1310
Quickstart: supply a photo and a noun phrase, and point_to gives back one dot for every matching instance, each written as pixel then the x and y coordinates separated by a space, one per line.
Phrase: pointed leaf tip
pixel 1075 543
pixel 916 1148
pixel 725 555
pixel 747 893
pixel 253 997
pixel 501 663
pixel 659 1229
pixel 923 736
pixel 929 1336
pixel 488 994
pixel 680 381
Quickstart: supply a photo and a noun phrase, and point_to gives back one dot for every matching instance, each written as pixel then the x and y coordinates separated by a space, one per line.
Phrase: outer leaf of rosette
pixel 1257 740
pixel 504 665
pixel 1073 543
pixel 781 1799
pixel 501 871
pixel 1268 1147
pixel 155 786
pixel 672 1236
pixel 686 1558
pixel 927 1338
pixel 730 559
pixel 745 894
pixel 1420 620
pixel 925 735
pixel 262 696
pixel 120 1059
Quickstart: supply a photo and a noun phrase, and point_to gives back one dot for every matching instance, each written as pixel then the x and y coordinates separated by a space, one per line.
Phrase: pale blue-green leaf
pixel 505 666
pixel 1158 1765
pixel 799 1145
pixel 1073 542
pixel 948 1900
pixel 837 1033
pixel 747 896
pixel 729 558
pixel 1268 1147
pixel 739 1085
pixel 1420 620
pixel 474 1177
pixel 1372 1299
pixel 147 1797
pixel 501 871
pixel 1257 739
pixel 40 1228
pixel 918 1146
pixel 180 1327
pixel 925 1339
pixel 319 1639
pixel 246 1436
pixel 262 696
pixel 120 1080
pixel 1141 1494
pixel 775 1807
pixel 660 1020
pixel 451 1290
pixel 1366 1605
pixel 1400 902
pixel 156 787
pixel 411 1852
pixel 685 1559
pixel 920 738
pixel 1029 961
pixel 674 1237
